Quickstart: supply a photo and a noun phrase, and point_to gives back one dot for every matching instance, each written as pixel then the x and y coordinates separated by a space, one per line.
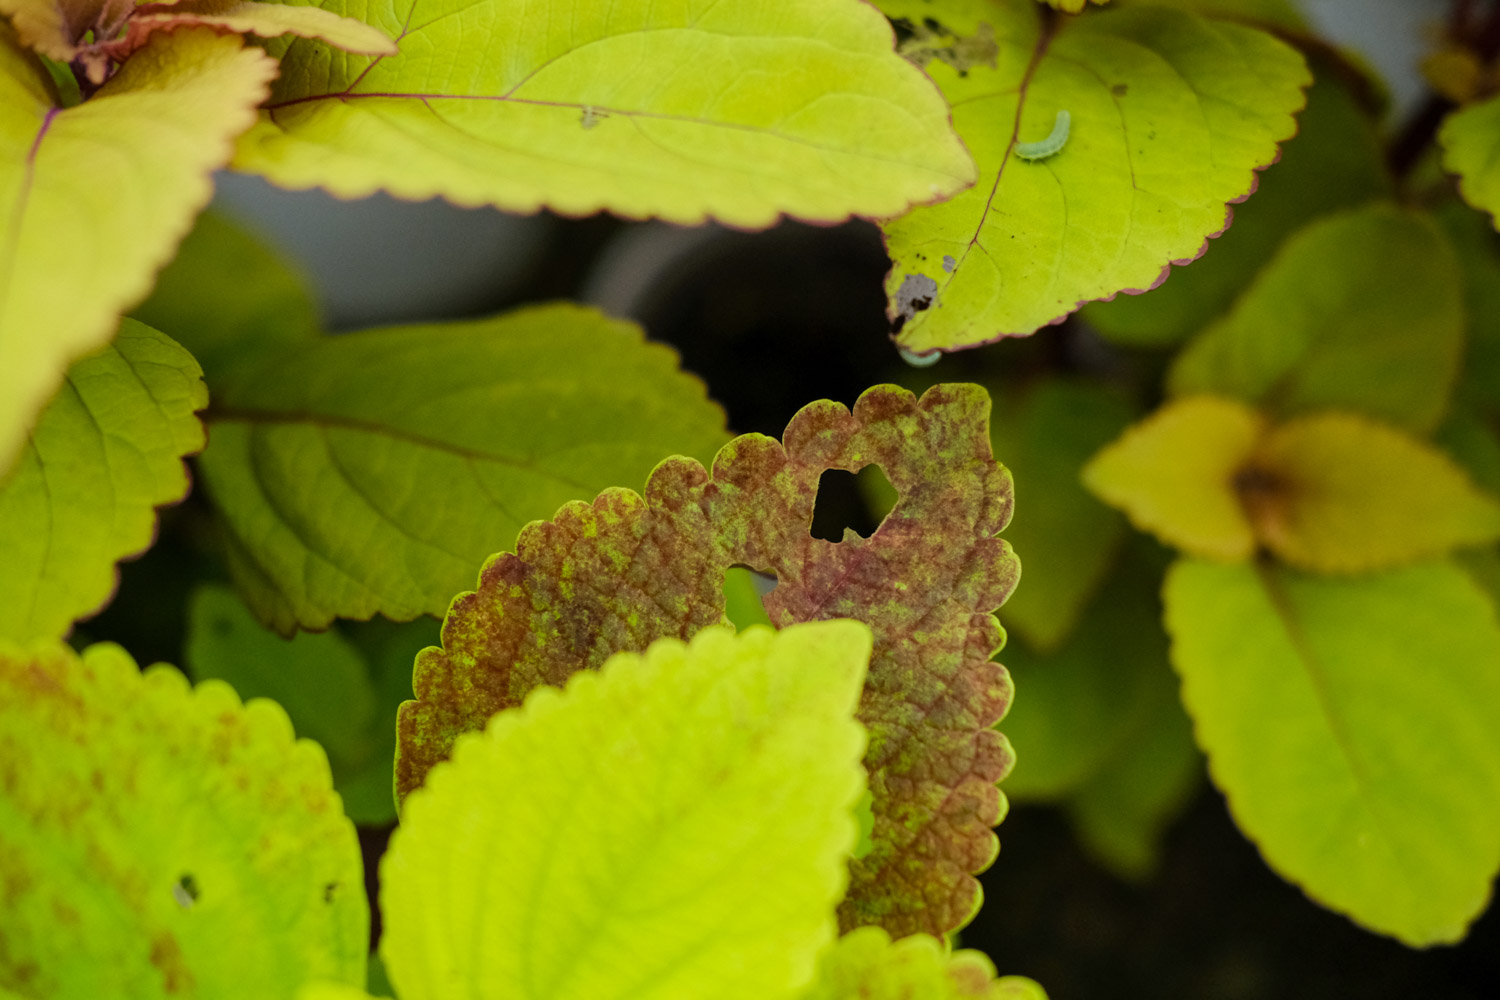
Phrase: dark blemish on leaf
pixel 950 264
pixel 590 118
pixel 930 40
pixel 1120 89
pixel 329 890
pixel 185 891
pixel 915 295
pixel 905 30
pixel 166 955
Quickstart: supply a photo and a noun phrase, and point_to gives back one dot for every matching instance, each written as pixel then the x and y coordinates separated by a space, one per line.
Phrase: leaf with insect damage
pixel 159 840
pixel 625 570
pixel 1171 115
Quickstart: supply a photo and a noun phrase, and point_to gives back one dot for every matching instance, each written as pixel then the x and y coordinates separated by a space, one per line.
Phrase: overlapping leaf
pixel 675 825
pixel 1351 723
pixel 1361 310
pixel 1470 138
pixel 735 109
pixel 122 175
pixel 338 689
pixel 624 570
pixel 159 841
pixel 1171 116
pixel 371 472
pixel 1068 536
pixel 1329 492
pixel 1177 475
pixel 866 965
pixel 105 453
pixel 1334 162
pixel 230 300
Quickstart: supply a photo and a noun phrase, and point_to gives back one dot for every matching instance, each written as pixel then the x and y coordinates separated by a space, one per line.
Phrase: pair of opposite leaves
pixel 185 820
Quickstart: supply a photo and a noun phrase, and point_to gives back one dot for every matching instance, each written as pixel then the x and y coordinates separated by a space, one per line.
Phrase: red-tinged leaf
pixel 626 570
pixel 266 20
pixel 55 27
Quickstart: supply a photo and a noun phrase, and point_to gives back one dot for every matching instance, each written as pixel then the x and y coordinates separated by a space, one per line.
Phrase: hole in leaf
pixel 857 501
pixel 744 590
pixel 185 891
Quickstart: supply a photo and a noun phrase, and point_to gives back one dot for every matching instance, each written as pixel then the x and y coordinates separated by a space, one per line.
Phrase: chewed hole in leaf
pixel 185 891
pixel 850 501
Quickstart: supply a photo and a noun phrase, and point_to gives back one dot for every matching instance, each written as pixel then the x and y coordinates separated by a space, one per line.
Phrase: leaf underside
pixel 866 964
pixel 620 572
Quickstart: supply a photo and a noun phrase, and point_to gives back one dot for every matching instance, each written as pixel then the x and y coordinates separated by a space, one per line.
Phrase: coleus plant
pixel 115 115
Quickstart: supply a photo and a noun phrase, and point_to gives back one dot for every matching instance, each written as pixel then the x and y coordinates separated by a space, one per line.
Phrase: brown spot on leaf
pixel 167 956
pixel 922 43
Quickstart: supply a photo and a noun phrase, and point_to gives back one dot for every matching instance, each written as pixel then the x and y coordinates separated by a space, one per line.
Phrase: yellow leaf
pixel 95 197
pixel 54 27
pixel 1178 473
pixel 1341 493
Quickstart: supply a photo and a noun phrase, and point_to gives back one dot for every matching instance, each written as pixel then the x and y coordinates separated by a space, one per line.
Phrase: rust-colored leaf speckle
pixel 625 570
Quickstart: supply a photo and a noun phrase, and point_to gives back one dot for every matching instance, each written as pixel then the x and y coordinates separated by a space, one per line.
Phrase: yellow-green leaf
pixel 373 472
pixel 1351 724
pixel 735 109
pixel 1361 310
pixel 1470 138
pixel 1339 493
pixel 1171 115
pixel 267 20
pixel 163 841
pixel 676 825
pixel 105 453
pixel 1174 475
pixel 866 964
pixel 96 197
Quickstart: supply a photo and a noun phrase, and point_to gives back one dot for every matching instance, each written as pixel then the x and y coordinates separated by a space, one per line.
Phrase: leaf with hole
pixel 158 840
pixel 627 569
pixel 1170 117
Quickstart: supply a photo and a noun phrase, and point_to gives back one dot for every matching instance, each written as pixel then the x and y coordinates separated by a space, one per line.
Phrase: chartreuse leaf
pixel 1171 115
pixel 1359 310
pixel 1084 702
pixel 371 472
pixel 1069 537
pixel 122 174
pixel 620 572
pixel 268 20
pixel 1338 493
pixel 866 965
pixel 1175 473
pixel 1470 138
pixel 105 453
pixel 229 299
pixel 1351 724
pixel 339 691
pixel 735 109
pixel 157 840
pixel 1335 161
pixel 1277 13
pixel 675 825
